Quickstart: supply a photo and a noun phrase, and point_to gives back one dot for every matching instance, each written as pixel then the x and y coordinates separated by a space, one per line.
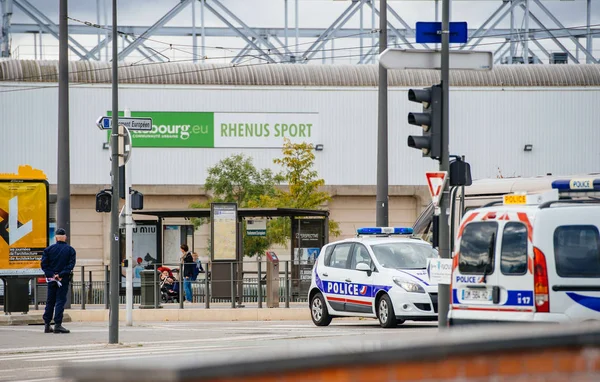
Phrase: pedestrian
pixel 58 261
pixel 197 266
pixel 188 271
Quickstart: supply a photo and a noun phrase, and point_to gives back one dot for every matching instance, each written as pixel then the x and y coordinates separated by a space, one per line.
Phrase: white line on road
pixel 124 345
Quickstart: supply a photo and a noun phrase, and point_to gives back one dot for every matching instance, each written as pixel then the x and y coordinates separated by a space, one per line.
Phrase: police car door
pixel 360 284
pixel 334 276
pixel 476 280
pixel 515 273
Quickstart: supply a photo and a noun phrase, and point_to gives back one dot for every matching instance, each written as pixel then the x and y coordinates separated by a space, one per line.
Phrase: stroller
pixel 169 290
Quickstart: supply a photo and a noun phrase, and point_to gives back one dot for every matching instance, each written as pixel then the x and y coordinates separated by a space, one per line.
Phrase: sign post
pixel 120 155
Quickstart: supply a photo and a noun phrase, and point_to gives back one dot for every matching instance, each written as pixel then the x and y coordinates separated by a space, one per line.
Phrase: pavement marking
pixel 123 345
pixel 120 354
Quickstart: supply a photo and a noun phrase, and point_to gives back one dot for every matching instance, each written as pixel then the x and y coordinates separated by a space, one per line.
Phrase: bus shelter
pixel 309 231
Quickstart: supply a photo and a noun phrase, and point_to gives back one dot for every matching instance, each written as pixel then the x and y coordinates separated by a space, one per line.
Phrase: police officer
pixel 58 262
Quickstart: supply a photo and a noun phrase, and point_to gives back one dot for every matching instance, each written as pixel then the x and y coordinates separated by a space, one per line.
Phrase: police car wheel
pixel 385 312
pixel 318 311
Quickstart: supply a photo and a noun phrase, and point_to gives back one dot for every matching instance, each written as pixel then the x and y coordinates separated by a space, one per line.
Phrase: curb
pixel 28 319
pixel 155 315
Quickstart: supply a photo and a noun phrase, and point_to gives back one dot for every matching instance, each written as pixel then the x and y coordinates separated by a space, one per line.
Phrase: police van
pixel 380 274
pixel 528 258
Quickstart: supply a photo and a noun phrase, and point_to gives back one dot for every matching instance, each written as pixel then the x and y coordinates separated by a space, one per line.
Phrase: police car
pixel 381 273
pixel 533 258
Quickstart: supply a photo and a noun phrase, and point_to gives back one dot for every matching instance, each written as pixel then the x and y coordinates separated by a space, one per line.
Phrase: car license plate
pixel 477 294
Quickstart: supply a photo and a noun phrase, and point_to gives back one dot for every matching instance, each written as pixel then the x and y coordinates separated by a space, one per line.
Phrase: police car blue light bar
pixel 577 184
pixel 384 231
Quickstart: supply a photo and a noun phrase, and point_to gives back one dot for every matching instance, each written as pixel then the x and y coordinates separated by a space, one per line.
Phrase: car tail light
pixel 540 282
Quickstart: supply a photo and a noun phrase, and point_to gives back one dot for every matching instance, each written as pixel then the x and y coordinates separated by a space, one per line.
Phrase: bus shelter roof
pixel 241 212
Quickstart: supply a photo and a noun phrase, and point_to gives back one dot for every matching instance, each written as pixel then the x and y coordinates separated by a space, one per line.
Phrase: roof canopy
pixel 241 212
pixel 94 72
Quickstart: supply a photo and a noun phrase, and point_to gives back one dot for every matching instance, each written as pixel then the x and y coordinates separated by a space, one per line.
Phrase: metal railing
pixel 90 286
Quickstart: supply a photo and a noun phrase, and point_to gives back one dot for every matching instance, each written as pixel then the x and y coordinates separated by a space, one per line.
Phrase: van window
pixel 576 251
pixel 478 239
pixel 513 258
pixel 340 255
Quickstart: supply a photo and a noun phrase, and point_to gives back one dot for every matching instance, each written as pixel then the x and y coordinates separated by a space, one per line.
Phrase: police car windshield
pixel 403 255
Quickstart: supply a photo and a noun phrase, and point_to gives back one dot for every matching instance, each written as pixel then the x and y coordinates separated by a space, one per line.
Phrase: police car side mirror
pixel 363 267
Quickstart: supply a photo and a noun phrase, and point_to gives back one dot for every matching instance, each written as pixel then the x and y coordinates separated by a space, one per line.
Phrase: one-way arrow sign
pixel 141 123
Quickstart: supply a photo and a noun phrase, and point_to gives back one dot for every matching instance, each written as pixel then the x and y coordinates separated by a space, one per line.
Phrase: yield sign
pixel 436 181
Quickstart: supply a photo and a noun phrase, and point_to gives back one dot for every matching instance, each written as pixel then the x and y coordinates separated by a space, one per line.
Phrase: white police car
pixel 376 274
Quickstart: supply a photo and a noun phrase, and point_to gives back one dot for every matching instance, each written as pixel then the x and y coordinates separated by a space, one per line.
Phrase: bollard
pixel 287 286
pixel 91 288
pixel 82 287
pixel 106 286
pixel 155 291
pixel 232 286
pixel 206 291
pixel 181 285
pixel 35 295
pixel 259 286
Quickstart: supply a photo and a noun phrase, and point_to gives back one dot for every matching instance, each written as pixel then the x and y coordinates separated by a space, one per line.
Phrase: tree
pixel 303 183
pixel 235 179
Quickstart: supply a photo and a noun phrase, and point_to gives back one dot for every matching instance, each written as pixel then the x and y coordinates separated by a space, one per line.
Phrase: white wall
pixel 488 125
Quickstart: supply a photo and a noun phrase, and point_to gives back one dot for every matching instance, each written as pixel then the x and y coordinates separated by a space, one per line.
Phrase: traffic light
pixel 103 201
pixel 137 200
pixel 430 120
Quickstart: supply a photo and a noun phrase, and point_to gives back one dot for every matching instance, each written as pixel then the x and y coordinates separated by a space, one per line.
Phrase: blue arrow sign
pixel 430 32
pixel 138 123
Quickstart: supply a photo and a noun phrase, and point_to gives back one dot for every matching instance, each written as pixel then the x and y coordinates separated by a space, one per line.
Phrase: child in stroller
pixel 169 287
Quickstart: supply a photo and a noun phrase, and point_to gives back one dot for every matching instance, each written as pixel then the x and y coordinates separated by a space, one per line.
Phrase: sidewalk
pixel 170 312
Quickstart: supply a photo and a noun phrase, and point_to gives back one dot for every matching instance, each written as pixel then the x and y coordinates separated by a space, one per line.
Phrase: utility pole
pixel 444 235
pixel 128 240
pixel 63 201
pixel 113 322
pixel 382 218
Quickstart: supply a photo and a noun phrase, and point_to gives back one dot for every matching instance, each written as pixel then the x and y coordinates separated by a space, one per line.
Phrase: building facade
pixel 205 113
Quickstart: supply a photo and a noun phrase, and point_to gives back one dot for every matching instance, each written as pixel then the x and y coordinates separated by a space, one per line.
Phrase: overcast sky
pixel 270 13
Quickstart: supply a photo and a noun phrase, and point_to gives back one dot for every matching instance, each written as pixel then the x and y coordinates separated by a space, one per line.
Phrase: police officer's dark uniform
pixel 58 262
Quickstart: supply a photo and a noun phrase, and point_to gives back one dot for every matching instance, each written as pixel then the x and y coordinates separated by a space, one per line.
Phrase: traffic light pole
pixel 381 210
pixel 444 235
pixel 115 275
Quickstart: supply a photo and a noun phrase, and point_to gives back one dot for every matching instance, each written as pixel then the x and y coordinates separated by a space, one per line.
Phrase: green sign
pixel 225 130
pixel 175 129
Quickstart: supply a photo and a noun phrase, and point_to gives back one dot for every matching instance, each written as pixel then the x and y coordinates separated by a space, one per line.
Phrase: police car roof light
pixel 579 184
pixel 384 231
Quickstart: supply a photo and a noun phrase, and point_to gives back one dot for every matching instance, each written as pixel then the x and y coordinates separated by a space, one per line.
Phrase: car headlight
pixel 408 286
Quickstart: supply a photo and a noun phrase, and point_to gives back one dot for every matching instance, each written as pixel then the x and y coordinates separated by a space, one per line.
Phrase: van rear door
pixel 476 276
pixel 569 238
pixel 515 273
